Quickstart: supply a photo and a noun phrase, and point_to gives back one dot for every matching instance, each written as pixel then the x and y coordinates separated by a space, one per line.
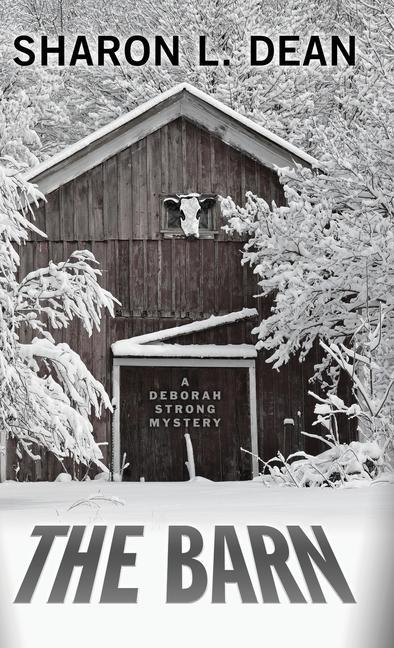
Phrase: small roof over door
pixel 156 344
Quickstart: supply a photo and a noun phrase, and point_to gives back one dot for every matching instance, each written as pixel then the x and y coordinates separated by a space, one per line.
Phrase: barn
pixel 179 356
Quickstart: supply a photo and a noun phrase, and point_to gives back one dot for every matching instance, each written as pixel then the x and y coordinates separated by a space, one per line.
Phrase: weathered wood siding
pixel 114 211
pixel 159 453
pixel 120 199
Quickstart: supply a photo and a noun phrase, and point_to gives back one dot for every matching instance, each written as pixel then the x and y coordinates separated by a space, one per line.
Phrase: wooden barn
pixel 179 356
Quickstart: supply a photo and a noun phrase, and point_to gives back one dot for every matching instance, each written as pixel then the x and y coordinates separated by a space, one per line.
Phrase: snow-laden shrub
pixel 341 464
pixel 369 459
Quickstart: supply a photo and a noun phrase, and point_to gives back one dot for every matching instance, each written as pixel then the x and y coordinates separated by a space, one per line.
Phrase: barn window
pixel 171 216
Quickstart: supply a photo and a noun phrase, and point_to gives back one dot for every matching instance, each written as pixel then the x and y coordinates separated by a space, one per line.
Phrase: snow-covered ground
pixel 357 522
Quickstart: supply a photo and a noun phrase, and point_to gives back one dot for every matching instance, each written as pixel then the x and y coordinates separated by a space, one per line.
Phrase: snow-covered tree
pixel 61 105
pixel 326 259
pixel 46 392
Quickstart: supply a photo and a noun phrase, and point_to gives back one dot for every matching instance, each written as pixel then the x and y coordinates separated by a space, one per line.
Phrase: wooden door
pixel 159 404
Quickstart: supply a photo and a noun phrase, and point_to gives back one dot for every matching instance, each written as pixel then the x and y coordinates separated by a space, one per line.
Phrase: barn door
pixel 159 404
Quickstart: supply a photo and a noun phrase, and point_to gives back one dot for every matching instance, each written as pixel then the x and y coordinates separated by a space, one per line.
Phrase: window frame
pixel 176 232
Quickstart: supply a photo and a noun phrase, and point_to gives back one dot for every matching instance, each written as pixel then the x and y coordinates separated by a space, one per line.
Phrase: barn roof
pixel 182 100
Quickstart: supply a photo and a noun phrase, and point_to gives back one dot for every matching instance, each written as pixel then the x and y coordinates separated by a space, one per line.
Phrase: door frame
pixel 119 362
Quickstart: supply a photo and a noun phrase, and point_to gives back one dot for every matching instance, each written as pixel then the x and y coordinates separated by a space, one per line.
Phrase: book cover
pixel 197 323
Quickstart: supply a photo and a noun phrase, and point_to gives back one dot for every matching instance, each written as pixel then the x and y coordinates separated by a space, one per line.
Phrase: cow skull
pixel 190 206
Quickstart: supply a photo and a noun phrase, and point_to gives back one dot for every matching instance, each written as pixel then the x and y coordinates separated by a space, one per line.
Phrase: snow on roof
pixel 251 124
pixel 130 349
pixel 185 329
pixel 94 137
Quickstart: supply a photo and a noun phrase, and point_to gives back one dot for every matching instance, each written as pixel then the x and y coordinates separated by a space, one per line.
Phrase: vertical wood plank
pixel 164 160
pixel 139 189
pixel 81 207
pixel 96 204
pixel 67 211
pixel 190 141
pixel 250 175
pixel 137 259
pixel 208 269
pixel 125 195
pixel 175 157
pixel 219 168
pixel 110 205
pixel 204 167
pixel 153 153
pixel 151 281
pixel 52 216
pixel 193 305
pixel 41 254
pixel 111 268
pixel 180 305
pixel 235 285
pixel 166 282
pixel 122 272
pixel 223 283
pixel 125 217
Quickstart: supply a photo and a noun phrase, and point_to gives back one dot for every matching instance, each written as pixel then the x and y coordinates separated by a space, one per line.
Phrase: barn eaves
pixel 184 100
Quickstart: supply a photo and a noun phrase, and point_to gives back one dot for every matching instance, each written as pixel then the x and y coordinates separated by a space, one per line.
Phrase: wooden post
pixel 115 449
pixel 3 456
pixel 253 418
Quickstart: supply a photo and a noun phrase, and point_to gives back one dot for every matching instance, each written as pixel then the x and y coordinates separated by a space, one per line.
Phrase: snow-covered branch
pixel 63 291
pixel 47 394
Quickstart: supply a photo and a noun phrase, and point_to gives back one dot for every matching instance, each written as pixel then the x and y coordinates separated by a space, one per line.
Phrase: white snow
pixel 64 477
pixel 148 105
pixel 127 348
pixel 187 329
pixel 356 523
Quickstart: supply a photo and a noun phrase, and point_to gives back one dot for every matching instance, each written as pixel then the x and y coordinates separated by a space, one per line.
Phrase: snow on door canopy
pixel 190 206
